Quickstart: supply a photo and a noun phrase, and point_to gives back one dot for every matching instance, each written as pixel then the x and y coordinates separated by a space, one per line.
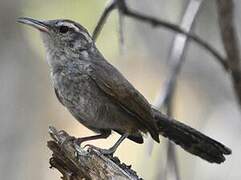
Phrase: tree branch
pixel 121 32
pixel 230 41
pixel 165 100
pixel 121 5
pixel 111 4
pixel 75 163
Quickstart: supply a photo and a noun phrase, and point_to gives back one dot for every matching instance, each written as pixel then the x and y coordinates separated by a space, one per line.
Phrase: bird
pixel 103 100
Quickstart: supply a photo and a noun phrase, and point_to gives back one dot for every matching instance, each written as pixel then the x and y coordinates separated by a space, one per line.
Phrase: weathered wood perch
pixel 77 163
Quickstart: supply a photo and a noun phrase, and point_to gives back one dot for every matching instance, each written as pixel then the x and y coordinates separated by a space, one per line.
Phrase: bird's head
pixel 63 37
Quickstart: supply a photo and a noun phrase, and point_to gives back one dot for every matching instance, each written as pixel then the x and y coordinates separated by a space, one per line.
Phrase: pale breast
pixel 88 103
pixel 78 94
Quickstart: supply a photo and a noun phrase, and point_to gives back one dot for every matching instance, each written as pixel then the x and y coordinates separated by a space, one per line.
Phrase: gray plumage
pixel 102 99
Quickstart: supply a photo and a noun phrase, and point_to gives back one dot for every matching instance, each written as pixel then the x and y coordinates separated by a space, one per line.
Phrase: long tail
pixel 190 139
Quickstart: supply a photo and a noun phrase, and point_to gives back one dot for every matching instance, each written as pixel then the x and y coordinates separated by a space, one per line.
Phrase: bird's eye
pixel 63 29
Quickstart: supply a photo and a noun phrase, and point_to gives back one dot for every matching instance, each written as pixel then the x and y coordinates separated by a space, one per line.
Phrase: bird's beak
pixel 40 25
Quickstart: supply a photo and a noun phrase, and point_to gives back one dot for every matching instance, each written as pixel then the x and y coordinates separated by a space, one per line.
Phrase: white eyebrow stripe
pixel 76 28
pixel 87 36
pixel 68 24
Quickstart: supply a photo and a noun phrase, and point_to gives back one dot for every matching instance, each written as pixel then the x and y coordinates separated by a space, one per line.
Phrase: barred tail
pixel 190 139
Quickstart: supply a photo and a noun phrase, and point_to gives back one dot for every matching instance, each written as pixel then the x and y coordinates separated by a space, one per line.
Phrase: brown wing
pixel 116 86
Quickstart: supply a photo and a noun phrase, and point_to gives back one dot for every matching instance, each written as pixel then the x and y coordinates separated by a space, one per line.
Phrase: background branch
pixel 121 32
pixel 230 42
pixel 176 60
pixel 122 6
pixel 109 7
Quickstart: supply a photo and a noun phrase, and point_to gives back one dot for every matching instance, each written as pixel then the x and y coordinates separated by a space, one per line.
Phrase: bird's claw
pixel 78 141
pixel 107 152
pixel 67 140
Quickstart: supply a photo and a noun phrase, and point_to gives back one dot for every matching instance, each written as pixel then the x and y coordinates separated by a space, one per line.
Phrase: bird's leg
pixel 78 141
pixel 111 150
pixel 102 135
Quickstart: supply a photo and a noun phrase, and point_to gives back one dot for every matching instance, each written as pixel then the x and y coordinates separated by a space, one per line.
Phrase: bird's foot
pixel 76 141
pixel 67 140
pixel 106 152
pixel 79 141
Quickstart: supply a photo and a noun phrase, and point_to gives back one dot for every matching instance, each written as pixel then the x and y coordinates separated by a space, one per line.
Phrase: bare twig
pixel 109 7
pixel 230 41
pixel 121 31
pixel 156 22
pixel 75 163
pixel 176 60
pixel 121 5
pixel 177 53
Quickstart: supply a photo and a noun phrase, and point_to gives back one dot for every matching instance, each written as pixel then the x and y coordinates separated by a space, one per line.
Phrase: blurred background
pixel 204 99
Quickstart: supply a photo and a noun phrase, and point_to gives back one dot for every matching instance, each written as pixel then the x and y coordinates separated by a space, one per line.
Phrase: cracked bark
pixel 77 163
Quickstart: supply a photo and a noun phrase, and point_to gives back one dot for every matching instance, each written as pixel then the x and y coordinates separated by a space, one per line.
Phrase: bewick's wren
pixel 101 98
